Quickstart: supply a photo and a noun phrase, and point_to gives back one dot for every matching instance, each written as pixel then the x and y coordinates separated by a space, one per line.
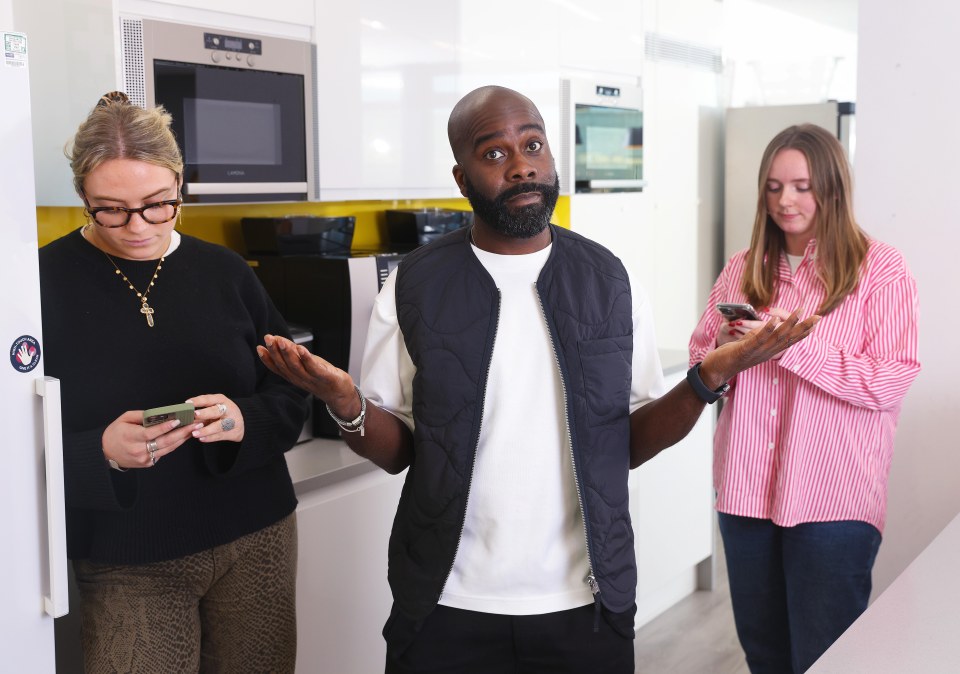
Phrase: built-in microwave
pixel 242 107
pixel 602 122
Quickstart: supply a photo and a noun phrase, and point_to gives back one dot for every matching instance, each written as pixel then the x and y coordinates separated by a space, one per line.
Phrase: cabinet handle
pixel 56 603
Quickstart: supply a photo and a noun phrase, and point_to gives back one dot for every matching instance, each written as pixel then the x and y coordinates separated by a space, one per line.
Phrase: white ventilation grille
pixel 133 74
pixel 660 48
pixel 566 131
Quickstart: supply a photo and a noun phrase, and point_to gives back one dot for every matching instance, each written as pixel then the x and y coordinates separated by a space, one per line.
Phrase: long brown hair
pixel 841 244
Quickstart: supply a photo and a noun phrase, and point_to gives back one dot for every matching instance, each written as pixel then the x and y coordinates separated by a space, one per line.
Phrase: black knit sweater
pixel 211 312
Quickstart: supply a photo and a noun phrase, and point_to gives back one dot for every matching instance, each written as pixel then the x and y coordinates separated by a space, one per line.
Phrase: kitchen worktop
pixel 913 625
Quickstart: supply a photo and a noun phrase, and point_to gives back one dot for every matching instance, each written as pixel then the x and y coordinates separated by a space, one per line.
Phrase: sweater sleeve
pixel 88 481
pixel 274 413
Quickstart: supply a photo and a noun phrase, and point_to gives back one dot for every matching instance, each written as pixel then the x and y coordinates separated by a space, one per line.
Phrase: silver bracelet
pixel 356 424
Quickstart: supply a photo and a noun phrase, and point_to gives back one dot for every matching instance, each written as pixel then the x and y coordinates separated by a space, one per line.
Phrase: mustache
pixel 522 188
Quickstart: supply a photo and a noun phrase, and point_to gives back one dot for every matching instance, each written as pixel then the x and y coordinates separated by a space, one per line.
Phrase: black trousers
pixel 454 641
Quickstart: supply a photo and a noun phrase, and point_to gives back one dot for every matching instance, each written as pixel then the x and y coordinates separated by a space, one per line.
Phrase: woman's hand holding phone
pixel 740 319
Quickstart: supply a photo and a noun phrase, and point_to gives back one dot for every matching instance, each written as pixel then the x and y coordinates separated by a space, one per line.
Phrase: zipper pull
pixel 595 590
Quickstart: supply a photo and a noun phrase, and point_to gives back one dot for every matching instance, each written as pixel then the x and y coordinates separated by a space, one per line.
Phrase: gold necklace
pixel 145 308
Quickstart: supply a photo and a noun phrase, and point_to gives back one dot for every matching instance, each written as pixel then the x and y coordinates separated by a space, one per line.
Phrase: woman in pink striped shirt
pixel 804 442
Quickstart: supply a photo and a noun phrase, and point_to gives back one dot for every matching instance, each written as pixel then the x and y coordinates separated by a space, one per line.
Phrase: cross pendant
pixel 147 311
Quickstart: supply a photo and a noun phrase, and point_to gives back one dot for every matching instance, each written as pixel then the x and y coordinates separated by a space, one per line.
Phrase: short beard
pixel 522 223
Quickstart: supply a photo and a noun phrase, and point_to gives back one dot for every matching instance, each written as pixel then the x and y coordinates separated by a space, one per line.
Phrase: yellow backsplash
pixel 221 223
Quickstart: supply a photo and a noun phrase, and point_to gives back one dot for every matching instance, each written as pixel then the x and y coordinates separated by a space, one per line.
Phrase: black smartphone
pixel 733 311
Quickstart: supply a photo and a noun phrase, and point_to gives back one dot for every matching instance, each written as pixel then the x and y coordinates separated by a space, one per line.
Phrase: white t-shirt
pixel 523 546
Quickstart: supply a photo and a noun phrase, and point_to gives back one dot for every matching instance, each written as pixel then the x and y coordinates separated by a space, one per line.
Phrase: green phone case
pixel 157 415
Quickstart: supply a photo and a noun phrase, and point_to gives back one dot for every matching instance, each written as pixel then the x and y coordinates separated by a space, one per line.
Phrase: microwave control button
pixel 251 46
pixel 215 57
pixel 216 42
pixel 229 56
pixel 251 61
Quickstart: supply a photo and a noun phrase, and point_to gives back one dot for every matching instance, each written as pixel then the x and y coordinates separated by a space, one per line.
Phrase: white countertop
pixel 323 461
pixel 914 626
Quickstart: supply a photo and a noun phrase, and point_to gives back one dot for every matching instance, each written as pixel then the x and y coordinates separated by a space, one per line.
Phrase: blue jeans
pixel 795 590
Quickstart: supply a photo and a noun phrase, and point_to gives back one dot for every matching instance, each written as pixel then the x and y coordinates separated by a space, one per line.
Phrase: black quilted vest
pixel 448 307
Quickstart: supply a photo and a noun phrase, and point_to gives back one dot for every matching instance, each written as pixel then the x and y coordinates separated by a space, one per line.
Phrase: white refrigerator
pixel 33 563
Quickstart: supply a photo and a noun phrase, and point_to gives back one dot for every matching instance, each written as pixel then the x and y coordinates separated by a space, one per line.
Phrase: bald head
pixel 471 108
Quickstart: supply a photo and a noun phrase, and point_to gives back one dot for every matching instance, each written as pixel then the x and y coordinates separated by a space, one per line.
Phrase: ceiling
pixel 841 14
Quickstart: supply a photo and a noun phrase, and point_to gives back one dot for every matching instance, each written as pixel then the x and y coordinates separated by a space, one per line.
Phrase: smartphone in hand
pixel 157 415
pixel 733 311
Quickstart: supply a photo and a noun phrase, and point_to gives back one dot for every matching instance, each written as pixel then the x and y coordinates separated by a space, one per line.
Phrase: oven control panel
pixel 231 43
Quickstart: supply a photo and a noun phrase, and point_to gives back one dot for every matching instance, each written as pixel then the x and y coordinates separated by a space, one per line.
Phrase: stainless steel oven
pixel 242 107
pixel 603 124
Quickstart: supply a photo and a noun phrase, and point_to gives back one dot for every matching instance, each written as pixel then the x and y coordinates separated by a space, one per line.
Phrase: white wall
pixel 907 174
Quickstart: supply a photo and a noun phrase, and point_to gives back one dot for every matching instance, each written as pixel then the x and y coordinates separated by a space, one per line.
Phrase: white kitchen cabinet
pixel 73 62
pixel 604 36
pixel 386 82
pixel 343 598
pixel 387 79
pixel 296 12
pixel 671 504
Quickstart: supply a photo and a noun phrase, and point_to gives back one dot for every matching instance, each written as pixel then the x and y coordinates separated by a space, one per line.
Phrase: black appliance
pixel 298 234
pixel 332 296
pixel 408 229
pixel 303 336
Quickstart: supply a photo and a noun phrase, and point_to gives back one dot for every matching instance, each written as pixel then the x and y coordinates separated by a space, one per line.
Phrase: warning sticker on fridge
pixel 25 353
pixel 14 50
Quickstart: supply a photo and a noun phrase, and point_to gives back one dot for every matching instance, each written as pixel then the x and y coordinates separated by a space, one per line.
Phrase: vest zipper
pixel 476 444
pixel 590 579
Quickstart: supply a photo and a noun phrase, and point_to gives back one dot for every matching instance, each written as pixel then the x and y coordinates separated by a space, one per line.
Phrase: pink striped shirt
pixel 809 437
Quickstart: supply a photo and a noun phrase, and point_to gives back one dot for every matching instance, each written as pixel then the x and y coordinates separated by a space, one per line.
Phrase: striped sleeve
pixel 878 375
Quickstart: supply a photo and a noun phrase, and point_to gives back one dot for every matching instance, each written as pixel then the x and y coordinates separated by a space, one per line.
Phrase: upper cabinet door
pixel 603 36
pixel 296 12
pixel 388 77
pixel 386 81
pixel 73 61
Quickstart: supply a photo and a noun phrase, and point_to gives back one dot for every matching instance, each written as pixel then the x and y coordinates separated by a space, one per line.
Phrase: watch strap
pixel 708 396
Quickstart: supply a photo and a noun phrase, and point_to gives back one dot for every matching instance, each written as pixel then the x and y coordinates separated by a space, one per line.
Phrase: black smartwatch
pixel 705 394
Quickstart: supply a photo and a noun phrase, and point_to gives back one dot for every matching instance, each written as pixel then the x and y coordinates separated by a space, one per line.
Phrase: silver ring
pixel 153 458
pixel 227 424
pixel 152 446
pixel 222 408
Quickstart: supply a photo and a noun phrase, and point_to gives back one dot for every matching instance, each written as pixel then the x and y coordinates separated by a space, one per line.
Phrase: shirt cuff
pixel 806 358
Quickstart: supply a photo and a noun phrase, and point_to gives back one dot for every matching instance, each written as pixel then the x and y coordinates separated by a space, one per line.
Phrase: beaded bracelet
pixel 356 424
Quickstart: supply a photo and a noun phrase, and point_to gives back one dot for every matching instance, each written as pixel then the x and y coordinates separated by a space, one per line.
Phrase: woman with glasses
pixel 182 533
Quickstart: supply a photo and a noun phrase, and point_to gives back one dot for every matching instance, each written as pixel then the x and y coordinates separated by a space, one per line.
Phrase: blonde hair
pixel 841 244
pixel 118 129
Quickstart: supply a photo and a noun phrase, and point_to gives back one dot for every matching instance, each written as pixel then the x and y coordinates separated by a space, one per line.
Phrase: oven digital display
pixel 221 42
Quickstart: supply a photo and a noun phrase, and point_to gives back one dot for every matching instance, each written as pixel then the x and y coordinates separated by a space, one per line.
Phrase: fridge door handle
pixel 56 603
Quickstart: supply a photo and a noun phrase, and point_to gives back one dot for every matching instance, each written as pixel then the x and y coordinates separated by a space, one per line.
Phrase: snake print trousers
pixel 230 609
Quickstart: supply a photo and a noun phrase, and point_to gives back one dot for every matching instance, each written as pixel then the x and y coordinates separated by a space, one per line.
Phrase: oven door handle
pixel 245 188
